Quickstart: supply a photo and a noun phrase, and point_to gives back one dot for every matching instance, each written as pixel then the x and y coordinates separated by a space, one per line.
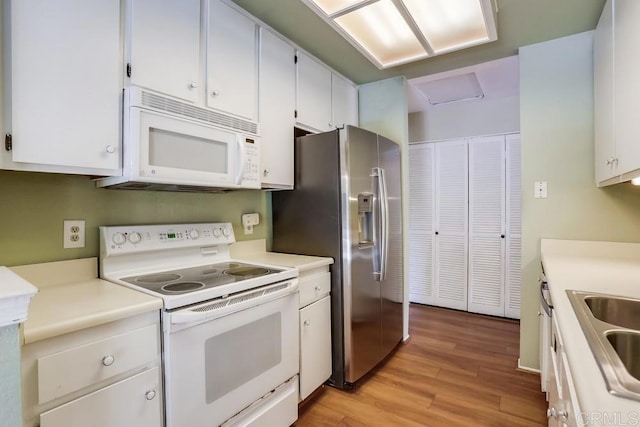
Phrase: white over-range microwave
pixel 171 145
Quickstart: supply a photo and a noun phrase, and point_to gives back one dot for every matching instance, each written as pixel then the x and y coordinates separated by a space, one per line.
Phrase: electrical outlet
pixel 73 233
pixel 248 221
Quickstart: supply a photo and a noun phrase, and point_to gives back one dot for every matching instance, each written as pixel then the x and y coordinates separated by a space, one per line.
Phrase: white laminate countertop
pixel 71 297
pixel 604 267
pixel 15 294
pixel 254 251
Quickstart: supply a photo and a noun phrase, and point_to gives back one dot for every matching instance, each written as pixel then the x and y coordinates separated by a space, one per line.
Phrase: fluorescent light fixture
pixel 394 32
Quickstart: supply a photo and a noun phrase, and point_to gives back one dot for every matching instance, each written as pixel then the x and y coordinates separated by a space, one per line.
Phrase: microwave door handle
pixel 240 160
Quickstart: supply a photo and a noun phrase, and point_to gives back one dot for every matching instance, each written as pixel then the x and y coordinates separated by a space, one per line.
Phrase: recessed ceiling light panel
pixel 394 32
pixel 392 42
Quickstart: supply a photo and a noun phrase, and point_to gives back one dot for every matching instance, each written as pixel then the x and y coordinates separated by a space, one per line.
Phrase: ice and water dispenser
pixel 365 220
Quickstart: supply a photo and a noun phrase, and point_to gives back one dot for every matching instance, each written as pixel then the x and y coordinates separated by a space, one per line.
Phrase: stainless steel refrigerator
pixel 346 205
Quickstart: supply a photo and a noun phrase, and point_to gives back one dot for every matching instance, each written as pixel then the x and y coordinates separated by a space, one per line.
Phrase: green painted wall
pixel 10 403
pixel 383 108
pixel 35 204
pixel 556 119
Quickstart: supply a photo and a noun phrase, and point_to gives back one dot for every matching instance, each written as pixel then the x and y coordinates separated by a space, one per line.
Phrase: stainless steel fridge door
pixel 361 292
pixel 392 291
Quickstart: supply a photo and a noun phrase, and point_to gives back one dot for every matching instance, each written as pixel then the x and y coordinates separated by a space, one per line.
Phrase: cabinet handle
pixel 150 395
pixel 307 322
pixel 108 360
pixel 317 288
pixel 551 413
pixel 110 149
pixel 563 414
pixel 215 92
pixel 193 85
pixel 266 172
pixel 330 124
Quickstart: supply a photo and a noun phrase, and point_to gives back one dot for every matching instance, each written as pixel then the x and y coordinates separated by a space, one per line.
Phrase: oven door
pixel 217 367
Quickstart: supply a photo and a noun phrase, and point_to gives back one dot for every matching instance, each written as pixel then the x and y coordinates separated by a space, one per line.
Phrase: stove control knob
pixel 119 239
pixel 193 234
pixel 226 231
pixel 217 232
pixel 135 237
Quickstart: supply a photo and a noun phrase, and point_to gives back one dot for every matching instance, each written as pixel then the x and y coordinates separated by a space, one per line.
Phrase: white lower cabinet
pixel 135 401
pixel 564 408
pixel 104 376
pixel 315 330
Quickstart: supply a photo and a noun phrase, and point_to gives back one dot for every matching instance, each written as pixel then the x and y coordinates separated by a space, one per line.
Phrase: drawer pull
pixel 150 395
pixel 108 360
pixel 317 288
pixel 307 322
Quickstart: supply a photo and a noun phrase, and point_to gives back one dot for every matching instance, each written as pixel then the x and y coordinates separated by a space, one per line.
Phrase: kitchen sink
pixel 611 325
pixel 621 312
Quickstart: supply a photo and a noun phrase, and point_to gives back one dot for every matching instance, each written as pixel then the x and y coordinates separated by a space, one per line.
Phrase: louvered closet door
pixel 451 224
pixel 421 220
pixel 513 239
pixel 486 225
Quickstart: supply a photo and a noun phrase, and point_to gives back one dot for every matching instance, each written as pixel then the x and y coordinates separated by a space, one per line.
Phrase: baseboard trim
pixel 527 369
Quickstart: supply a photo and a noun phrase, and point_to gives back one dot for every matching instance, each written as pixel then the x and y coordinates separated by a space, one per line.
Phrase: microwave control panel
pixel 252 162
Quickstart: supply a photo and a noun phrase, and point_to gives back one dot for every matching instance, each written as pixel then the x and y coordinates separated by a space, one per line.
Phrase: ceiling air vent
pixel 451 89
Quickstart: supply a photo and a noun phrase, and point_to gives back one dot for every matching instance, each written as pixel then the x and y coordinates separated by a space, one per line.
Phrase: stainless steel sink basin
pixel 621 312
pixel 612 327
pixel 627 347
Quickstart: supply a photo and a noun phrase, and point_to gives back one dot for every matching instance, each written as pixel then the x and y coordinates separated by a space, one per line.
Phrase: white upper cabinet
pixel 163 46
pixel 277 109
pixel 313 94
pixel 232 61
pixel 65 81
pixel 616 91
pixel 344 102
pixel 324 100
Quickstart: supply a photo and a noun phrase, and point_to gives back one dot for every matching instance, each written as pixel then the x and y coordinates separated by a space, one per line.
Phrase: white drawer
pixel 135 401
pixel 314 287
pixel 70 370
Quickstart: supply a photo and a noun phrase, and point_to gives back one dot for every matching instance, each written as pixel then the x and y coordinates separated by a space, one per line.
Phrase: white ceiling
pixel 497 79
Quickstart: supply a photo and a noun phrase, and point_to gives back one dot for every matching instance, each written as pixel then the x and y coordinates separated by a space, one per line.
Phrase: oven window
pixel 180 151
pixel 242 354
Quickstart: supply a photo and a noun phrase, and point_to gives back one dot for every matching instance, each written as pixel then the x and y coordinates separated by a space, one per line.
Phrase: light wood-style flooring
pixel 457 369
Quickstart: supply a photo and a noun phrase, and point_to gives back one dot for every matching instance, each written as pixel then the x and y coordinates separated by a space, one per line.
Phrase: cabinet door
pixel 605 149
pixel 344 102
pixel 486 225
pixel 164 46
pixel 513 243
pixel 136 401
pixel 451 224
pixel 232 61
pixel 627 85
pixel 313 94
pixel 421 223
pixel 66 81
pixel 315 346
pixel 277 110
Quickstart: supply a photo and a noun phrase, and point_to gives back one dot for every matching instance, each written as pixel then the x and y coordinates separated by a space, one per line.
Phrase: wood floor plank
pixel 458 369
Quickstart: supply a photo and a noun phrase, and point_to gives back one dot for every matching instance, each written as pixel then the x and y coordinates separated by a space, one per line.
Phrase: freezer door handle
pixel 382 228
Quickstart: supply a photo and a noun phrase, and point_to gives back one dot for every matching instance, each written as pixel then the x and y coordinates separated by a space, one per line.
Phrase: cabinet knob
pixel 266 172
pixel 330 124
pixel 307 322
pixel 108 360
pixel 110 149
pixel 551 412
pixel 317 288
pixel 437 233
pixel 150 395
pixel 215 92
pixel 193 85
pixel 502 236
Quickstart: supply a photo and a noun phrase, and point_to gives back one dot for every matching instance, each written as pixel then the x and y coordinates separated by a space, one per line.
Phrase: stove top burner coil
pixel 181 287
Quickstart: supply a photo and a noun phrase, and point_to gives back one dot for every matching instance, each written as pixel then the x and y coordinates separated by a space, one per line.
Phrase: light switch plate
pixel 540 190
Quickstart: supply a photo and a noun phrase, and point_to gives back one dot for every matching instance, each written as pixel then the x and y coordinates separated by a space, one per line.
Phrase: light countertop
pixel 254 251
pixel 71 298
pixel 15 294
pixel 604 267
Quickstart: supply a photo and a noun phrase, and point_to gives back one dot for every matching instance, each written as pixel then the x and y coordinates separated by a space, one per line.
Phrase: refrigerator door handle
pixel 381 238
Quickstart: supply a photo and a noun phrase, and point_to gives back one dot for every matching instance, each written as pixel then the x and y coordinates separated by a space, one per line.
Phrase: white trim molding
pixel 15 295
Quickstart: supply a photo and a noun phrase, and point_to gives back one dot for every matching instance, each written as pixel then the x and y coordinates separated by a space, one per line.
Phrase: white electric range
pixel 230 328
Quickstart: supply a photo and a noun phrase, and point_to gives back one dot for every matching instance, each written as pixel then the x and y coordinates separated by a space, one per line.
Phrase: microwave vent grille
pixel 176 107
